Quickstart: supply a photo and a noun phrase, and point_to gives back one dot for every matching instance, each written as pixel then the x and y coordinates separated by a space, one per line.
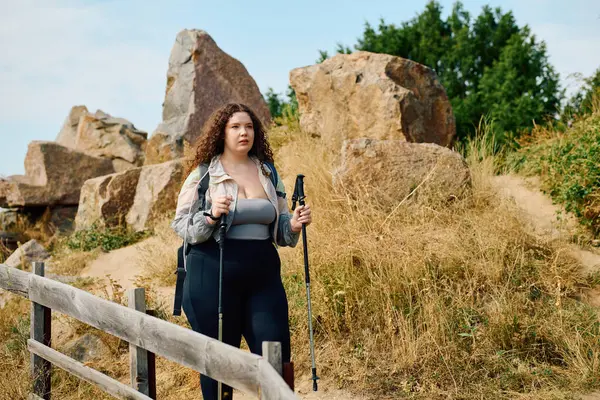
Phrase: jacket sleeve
pixel 189 222
pixel 285 236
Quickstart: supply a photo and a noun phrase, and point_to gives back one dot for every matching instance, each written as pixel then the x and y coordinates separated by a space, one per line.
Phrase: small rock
pixel 26 254
pixel 86 348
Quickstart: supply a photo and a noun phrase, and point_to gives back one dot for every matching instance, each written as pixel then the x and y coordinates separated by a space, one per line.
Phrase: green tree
pixel 488 65
pixel 582 102
pixel 274 103
pixel 280 107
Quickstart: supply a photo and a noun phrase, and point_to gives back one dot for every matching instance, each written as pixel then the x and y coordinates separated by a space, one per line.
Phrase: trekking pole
pixel 222 230
pixel 299 196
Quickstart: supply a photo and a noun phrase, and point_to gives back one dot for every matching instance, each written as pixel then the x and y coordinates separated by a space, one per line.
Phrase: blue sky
pixel 113 55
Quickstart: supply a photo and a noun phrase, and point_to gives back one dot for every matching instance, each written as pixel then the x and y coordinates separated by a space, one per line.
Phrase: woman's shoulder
pixel 193 176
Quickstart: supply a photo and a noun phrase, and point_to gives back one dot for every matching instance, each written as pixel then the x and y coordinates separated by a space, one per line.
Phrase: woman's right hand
pixel 221 205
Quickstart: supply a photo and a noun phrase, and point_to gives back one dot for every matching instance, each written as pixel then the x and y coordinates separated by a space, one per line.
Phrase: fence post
pixel 272 353
pixel 40 331
pixel 151 366
pixel 138 357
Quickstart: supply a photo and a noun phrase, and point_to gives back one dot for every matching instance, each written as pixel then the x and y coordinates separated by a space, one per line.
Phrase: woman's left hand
pixel 302 215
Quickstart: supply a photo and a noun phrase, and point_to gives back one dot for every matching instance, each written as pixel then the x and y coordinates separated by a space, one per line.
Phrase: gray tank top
pixel 251 219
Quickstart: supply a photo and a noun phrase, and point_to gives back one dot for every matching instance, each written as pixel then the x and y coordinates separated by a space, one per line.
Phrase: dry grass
pixel 14 357
pixel 453 300
pixel 432 301
pixel 158 254
pixel 70 262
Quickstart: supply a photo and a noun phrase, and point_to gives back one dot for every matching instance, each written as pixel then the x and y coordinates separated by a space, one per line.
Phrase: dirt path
pixel 124 265
pixel 303 389
pixel 543 216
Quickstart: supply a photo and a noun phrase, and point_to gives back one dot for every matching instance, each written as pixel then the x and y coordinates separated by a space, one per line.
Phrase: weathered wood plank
pixel 208 356
pixel 41 319
pixel 272 386
pixel 272 353
pixel 14 280
pixel 106 383
pixel 138 356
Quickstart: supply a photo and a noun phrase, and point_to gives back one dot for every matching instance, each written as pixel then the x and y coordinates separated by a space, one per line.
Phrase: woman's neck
pixel 233 159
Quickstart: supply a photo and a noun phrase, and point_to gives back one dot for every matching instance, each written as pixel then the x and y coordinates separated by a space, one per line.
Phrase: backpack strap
pixel 274 176
pixel 183 250
pixel 203 187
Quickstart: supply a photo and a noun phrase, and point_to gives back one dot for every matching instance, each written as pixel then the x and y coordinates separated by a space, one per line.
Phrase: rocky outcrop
pixel 134 198
pixel 156 194
pixel 54 175
pixel 102 135
pixel 378 96
pixel 201 78
pixel 106 200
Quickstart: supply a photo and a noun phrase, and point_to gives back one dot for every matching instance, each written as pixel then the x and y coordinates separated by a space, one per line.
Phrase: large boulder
pixel 134 198
pixel 156 194
pixel 54 175
pixel 102 135
pixel 201 78
pixel 392 170
pixel 379 96
pixel 106 200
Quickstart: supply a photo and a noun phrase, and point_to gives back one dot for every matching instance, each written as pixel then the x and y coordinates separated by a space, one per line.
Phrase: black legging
pixel 254 300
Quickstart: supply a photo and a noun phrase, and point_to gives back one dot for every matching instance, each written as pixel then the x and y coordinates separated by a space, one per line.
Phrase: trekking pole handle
pixel 298 192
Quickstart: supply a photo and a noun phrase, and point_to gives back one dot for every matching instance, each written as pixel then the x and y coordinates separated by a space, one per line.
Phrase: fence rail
pixel 244 371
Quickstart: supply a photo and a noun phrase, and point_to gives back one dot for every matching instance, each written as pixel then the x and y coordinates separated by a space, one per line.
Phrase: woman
pixel 234 145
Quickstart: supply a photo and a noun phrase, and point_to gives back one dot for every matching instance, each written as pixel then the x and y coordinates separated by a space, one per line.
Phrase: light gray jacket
pixel 190 223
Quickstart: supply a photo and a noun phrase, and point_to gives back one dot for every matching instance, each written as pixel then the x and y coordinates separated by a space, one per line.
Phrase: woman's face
pixel 239 133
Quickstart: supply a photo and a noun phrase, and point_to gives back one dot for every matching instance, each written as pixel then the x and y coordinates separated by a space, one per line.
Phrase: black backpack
pixel 202 188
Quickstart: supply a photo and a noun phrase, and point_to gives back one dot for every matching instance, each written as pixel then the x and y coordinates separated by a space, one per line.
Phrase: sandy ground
pixel 543 215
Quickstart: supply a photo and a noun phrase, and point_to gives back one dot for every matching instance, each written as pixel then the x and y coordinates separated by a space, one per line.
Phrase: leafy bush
pixel 569 166
pixel 105 238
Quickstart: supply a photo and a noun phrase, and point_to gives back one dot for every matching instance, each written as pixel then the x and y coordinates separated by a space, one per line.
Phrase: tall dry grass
pixel 435 300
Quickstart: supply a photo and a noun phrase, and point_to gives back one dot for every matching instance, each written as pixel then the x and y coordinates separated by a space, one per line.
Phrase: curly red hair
pixel 211 142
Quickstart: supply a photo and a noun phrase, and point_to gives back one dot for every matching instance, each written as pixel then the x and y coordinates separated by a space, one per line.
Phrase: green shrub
pixel 569 166
pixel 105 238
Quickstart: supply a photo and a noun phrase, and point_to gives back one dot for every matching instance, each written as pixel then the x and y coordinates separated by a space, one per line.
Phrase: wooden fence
pixel 147 336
